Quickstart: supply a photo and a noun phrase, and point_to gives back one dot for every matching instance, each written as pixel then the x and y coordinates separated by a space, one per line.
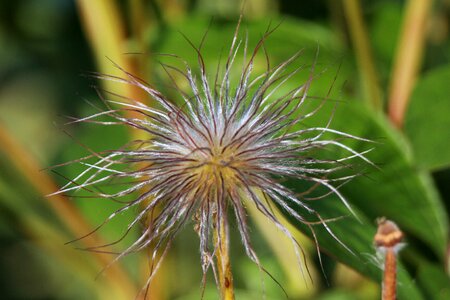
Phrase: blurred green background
pixel 393 84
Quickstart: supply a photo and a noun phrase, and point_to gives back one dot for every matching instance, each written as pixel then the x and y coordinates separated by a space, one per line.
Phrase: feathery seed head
pixel 223 145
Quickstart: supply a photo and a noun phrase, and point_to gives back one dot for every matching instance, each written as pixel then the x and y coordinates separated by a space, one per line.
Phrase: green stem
pixel 363 53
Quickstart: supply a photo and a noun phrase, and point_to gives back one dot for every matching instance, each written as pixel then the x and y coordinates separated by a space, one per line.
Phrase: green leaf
pixel 434 282
pixel 397 191
pixel 427 120
pixel 358 237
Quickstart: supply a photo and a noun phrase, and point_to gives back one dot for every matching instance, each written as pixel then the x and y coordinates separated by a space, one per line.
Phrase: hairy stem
pixel 221 237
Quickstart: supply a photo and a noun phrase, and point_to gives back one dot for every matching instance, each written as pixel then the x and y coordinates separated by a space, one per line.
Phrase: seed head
pixel 222 144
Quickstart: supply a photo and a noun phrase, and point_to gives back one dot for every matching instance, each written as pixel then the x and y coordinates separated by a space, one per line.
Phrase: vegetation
pixel 382 68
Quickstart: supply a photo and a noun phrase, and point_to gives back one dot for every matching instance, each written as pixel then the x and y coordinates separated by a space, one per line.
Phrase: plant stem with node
pixel 388 241
pixel 221 239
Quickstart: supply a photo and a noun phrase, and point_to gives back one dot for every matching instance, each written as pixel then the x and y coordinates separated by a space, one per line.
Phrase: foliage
pixel 40 66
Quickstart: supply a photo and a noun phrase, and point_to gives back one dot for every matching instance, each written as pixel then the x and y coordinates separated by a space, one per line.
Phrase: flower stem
pixel 364 58
pixel 221 235
pixel 104 27
pixel 388 241
pixel 408 57
pixel 390 275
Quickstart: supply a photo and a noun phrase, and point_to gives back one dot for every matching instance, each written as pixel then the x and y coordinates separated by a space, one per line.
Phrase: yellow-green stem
pixel 408 58
pixel 363 53
pixel 223 259
pixel 104 27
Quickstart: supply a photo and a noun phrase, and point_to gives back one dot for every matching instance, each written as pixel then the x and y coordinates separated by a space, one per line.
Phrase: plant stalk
pixel 364 57
pixel 223 259
pixel 390 275
pixel 408 59
pixel 104 27
pixel 388 241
